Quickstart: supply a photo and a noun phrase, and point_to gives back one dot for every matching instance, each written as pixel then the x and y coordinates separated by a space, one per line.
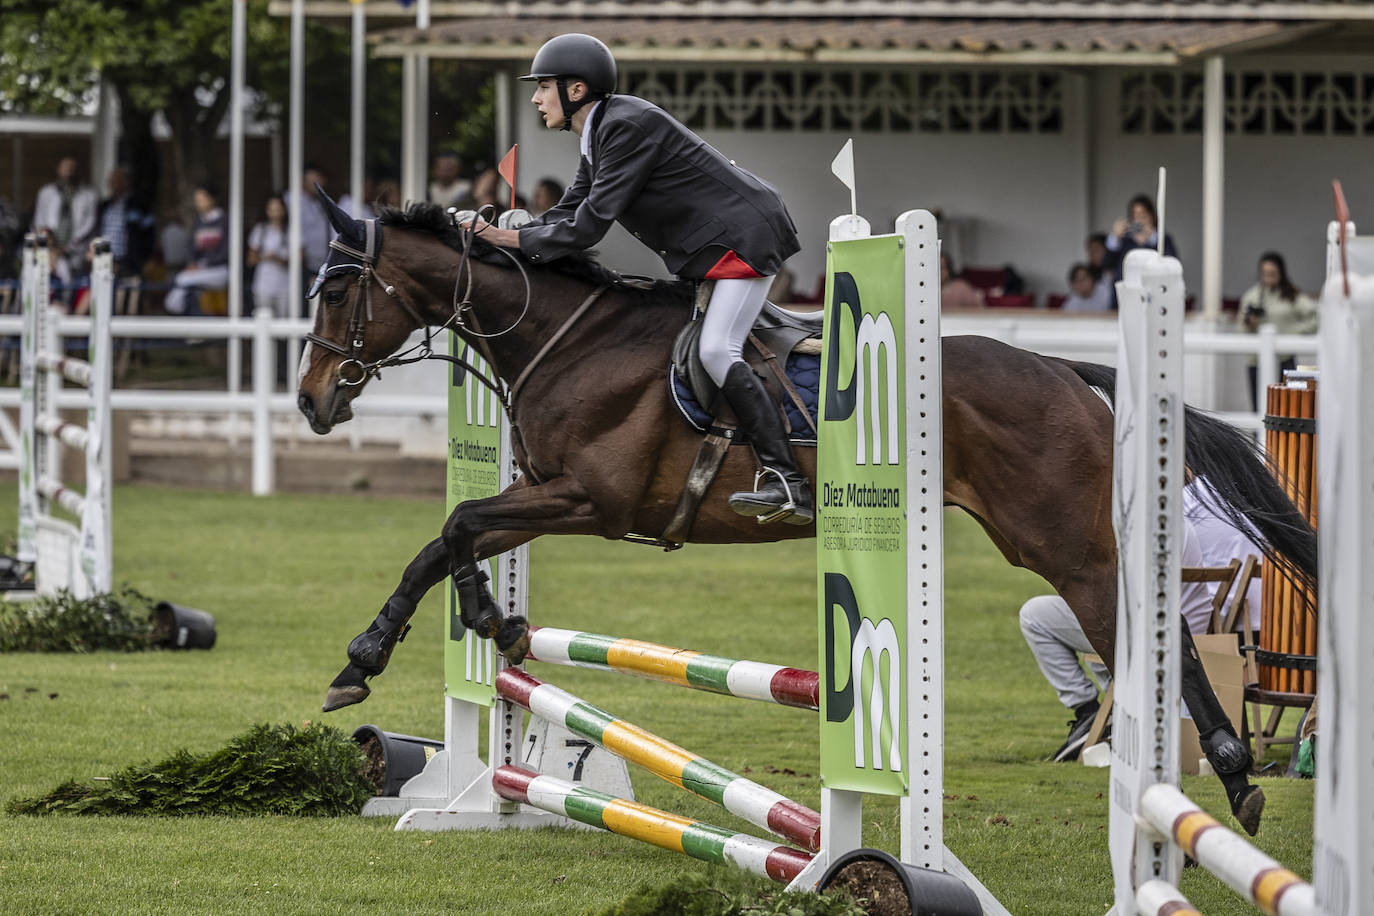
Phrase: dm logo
pixel 875 350
pixel 483 406
pixel 866 640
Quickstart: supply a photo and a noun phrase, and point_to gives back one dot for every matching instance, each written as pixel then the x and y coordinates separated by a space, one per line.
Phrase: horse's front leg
pixel 559 506
pixel 370 650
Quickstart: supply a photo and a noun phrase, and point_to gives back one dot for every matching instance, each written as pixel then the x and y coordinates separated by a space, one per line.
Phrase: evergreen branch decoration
pixel 118 621
pixel 315 771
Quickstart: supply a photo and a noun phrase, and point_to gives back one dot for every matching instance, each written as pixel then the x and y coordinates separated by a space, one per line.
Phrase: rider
pixel 706 217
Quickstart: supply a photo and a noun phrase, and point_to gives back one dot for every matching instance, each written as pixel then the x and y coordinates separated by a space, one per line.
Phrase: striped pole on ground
pixel 1160 898
pixel 740 796
pixel 650 825
pixel 748 680
pixel 1238 865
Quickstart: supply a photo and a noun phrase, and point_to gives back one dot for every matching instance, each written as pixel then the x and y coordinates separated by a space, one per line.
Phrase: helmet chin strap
pixel 570 107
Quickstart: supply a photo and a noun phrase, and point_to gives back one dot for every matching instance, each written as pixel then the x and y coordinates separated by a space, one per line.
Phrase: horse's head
pixel 360 318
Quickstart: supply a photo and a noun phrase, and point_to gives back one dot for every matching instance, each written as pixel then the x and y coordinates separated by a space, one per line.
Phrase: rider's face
pixel 545 98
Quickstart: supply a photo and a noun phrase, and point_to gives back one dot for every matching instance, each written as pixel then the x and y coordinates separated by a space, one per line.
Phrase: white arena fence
pixel 63 555
pixel 1057 334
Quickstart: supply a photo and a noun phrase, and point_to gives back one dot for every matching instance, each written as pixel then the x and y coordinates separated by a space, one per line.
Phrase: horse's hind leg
pixel 1225 751
pixel 370 650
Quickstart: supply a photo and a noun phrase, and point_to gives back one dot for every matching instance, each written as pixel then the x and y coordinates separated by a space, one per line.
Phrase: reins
pixel 362 315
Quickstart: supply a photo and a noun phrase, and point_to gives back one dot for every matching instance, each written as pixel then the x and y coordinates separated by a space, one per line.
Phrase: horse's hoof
pixel 339 697
pixel 1247 808
pixel 514 639
pixel 348 688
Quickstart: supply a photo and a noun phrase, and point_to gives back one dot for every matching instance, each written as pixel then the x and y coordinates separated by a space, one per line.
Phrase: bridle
pixel 365 262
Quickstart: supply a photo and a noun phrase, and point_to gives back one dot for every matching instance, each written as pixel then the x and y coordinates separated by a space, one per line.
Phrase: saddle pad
pixel 804 369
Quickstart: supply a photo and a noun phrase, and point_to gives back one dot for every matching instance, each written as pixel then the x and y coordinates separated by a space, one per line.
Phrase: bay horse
pixel 581 359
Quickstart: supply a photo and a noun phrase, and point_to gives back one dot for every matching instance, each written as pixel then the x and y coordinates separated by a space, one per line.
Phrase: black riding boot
pixel 781 490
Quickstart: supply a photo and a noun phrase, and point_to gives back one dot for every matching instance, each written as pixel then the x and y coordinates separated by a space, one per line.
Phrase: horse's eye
pixel 334 296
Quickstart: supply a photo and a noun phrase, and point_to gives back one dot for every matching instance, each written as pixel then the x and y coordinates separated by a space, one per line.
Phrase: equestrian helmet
pixel 576 55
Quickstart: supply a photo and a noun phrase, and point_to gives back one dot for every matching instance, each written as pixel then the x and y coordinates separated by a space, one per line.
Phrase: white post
pixel 296 154
pixel 1213 176
pixel 358 114
pixel 1343 851
pixel 239 29
pixel 1147 492
pixel 264 380
pixel 28 343
pixel 96 533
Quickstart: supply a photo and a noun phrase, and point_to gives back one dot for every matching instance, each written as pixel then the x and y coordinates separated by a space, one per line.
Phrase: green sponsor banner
pixel 474 472
pixel 861 521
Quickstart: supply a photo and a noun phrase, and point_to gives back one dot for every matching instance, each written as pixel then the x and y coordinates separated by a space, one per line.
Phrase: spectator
pixel 315 231
pixel 9 241
pixel 956 293
pixel 174 241
pixel 1086 291
pixel 447 188
pixel 1275 300
pixel 365 210
pixel 1055 637
pixel 1098 259
pixel 269 254
pixel 209 265
pixel 126 225
pixel 65 209
pixel 485 192
pixel 547 193
pixel 388 194
pixel 1138 230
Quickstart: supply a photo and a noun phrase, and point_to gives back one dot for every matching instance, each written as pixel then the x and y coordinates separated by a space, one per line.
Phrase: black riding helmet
pixel 575 56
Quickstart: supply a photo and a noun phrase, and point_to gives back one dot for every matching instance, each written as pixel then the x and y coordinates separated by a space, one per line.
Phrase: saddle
pixel 777 335
pixel 781 341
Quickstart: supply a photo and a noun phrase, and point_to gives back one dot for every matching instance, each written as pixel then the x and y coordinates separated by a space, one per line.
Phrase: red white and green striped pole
pixel 748 680
pixel 650 825
pixel 740 796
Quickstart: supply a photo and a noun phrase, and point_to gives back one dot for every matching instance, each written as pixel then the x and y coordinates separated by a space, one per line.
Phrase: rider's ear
pixel 577 90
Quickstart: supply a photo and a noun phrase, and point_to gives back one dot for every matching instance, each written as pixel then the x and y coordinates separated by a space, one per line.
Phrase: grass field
pixel 290 579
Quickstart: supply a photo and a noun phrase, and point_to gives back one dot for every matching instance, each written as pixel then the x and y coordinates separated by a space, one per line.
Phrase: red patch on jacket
pixel 731 267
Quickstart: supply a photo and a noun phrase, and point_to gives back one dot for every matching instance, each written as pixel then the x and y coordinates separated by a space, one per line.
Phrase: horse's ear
pixel 343 223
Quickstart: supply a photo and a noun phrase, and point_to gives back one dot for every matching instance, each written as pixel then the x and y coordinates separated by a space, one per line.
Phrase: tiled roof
pixel 892 40
pixel 1261 10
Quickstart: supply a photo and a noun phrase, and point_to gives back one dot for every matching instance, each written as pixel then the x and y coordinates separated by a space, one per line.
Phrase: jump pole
pixel 743 797
pixel 682 667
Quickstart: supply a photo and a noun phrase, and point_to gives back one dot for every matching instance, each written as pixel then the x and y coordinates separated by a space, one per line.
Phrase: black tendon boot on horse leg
pixel 781 490
pixel 369 652
pixel 1225 751
pixel 479 613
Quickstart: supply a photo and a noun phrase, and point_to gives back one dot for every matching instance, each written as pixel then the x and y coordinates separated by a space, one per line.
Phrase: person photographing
pixel 703 215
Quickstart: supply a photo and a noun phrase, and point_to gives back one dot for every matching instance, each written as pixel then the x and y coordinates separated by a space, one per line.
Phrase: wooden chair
pixel 128 293
pixel 1228 609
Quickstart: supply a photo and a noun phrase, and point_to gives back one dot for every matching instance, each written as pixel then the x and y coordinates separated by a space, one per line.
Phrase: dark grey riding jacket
pixel 672 190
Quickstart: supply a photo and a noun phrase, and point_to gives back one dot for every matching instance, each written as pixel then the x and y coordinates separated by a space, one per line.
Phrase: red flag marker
pixel 1342 217
pixel 507 171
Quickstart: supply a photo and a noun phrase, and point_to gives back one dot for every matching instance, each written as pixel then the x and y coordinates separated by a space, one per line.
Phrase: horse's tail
pixel 1244 479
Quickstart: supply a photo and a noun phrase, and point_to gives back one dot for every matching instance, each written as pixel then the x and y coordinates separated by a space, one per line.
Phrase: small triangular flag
pixel 843 167
pixel 506 169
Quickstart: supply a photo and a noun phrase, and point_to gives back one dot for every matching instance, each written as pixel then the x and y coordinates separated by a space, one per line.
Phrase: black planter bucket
pixel 183 627
pixel 932 893
pixel 403 756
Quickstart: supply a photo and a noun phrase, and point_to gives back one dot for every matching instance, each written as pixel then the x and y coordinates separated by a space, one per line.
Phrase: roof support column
pixel 1213 177
pixel 414 126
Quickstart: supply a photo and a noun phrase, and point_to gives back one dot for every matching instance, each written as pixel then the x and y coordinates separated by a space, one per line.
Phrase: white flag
pixel 843 167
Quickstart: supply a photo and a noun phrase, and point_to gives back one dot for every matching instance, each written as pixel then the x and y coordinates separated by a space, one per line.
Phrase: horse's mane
pixel 432 218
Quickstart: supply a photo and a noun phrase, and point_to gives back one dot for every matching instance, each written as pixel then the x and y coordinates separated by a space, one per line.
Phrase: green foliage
pixel 725 892
pixel 271 769
pixel 118 621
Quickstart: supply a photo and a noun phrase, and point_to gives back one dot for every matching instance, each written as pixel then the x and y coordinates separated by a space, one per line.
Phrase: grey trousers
pixel 735 305
pixel 1056 639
